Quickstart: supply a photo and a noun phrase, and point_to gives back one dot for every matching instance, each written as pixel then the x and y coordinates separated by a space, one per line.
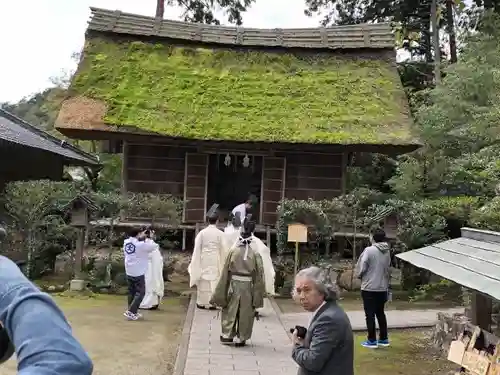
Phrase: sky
pixel 38 37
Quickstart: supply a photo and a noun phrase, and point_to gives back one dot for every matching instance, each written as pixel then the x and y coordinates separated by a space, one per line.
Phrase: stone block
pixel 77 285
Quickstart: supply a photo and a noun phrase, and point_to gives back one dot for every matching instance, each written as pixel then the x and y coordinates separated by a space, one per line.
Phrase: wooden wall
pixel 154 168
pixel 273 188
pixel 316 176
pixel 21 163
pixel 195 194
pixel 182 172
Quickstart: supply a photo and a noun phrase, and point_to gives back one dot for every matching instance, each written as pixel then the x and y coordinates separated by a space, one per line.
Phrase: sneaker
pixel 130 316
pixel 139 316
pixel 384 343
pixel 370 344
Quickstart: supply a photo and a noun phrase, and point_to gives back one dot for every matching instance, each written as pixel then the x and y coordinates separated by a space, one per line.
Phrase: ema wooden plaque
pixel 297 233
pixel 475 363
pixel 457 351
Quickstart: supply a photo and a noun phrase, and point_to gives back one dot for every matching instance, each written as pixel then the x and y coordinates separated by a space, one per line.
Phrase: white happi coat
pixel 207 262
pixel 155 286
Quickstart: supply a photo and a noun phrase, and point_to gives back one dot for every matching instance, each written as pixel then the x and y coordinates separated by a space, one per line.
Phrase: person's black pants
pixel 136 292
pixel 374 303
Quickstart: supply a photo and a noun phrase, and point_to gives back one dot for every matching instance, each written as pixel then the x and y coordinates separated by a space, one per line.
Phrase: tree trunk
pixel 435 42
pixel 451 31
pixel 160 8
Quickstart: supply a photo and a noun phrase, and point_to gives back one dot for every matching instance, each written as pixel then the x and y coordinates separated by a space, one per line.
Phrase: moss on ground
pixel 218 94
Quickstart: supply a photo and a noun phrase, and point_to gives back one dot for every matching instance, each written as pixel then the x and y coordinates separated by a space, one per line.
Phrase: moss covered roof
pixel 227 94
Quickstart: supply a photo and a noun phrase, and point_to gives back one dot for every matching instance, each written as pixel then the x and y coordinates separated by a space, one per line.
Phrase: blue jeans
pixel 37 327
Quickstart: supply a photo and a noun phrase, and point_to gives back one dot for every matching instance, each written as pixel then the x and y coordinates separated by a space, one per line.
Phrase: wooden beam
pixel 261 209
pixel 206 185
pixel 124 185
pixel 345 158
pixel 481 308
pixel 122 134
pixel 80 241
pixel 184 201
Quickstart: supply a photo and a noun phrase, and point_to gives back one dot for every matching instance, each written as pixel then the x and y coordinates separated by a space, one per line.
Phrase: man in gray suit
pixel 328 346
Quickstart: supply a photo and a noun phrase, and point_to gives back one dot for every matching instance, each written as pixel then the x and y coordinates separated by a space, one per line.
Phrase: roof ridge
pixel 42 133
pixel 365 35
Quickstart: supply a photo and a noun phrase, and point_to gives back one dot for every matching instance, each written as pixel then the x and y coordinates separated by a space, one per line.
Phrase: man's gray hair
pixel 320 278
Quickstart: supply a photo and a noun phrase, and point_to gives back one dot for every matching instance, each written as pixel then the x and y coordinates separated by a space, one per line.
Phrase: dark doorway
pixel 231 180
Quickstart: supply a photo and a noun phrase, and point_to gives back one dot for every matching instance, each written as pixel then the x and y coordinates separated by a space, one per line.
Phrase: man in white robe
pixel 243 208
pixel 207 262
pixel 155 286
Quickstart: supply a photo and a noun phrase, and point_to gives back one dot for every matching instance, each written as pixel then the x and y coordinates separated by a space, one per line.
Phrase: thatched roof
pixel 224 83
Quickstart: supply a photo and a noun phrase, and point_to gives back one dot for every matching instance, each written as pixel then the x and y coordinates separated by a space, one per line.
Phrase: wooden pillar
pixel 124 186
pixel 77 284
pixel 184 239
pixel 345 161
pixel 481 308
pixel 80 244
pixel 328 244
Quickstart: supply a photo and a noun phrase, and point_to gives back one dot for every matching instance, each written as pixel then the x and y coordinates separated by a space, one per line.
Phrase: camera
pixel 301 331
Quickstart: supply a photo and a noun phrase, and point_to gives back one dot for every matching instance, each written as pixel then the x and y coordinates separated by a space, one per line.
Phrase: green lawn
pixel 98 323
pixel 410 353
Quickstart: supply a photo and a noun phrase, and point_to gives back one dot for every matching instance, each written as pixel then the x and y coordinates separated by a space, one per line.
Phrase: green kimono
pixel 240 291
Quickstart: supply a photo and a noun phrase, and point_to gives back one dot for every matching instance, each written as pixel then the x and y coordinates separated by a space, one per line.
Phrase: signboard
pixel 297 233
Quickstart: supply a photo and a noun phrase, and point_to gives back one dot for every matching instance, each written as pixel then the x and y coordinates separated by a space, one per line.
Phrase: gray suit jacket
pixel 328 348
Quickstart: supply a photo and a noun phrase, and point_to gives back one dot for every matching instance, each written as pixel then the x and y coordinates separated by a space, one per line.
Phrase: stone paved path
pixel 267 353
pixel 395 318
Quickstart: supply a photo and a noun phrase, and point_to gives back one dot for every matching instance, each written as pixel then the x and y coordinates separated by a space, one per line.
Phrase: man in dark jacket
pixel 328 346
pixel 374 270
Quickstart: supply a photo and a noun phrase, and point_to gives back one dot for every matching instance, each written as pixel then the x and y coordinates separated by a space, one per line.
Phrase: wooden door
pixel 195 187
pixel 273 188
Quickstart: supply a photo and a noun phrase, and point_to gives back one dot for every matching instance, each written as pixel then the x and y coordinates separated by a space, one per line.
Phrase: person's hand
pixel 296 339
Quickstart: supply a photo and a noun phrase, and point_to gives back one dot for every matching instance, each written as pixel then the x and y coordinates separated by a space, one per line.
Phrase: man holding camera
pixel 327 345
pixel 136 250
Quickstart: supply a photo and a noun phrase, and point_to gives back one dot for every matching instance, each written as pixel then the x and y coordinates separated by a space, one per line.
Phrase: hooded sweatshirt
pixel 374 267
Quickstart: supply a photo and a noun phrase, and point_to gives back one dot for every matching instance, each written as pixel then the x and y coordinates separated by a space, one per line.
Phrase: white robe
pixel 242 209
pixel 155 286
pixel 231 237
pixel 206 264
pixel 269 272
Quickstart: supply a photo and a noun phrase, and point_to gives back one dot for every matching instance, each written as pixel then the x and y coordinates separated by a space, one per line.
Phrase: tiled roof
pixel 15 130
